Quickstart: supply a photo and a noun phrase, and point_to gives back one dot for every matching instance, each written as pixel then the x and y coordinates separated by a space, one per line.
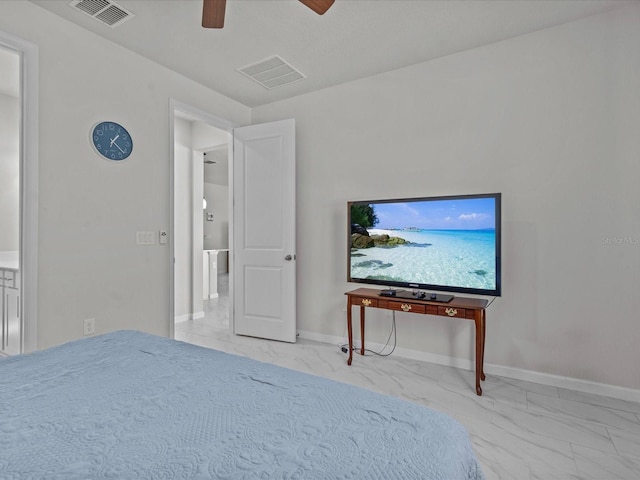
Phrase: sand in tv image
pixel 436 242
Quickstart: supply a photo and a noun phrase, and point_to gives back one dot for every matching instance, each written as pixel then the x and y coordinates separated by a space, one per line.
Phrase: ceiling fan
pixel 213 10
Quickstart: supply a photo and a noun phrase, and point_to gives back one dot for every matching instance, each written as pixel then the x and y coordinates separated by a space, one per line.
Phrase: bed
pixel 129 405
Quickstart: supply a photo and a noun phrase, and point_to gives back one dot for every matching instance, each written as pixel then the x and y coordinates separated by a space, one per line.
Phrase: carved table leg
pixel 349 332
pixel 479 346
pixel 362 330
pixel 484 336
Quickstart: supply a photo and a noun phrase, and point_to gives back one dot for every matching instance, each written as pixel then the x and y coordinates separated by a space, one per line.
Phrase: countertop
pixel 10 260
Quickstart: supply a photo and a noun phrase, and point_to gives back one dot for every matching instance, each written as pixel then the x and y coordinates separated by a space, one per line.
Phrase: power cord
pixel 345 347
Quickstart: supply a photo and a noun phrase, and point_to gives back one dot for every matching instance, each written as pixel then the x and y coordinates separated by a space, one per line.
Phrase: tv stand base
pixel 432 297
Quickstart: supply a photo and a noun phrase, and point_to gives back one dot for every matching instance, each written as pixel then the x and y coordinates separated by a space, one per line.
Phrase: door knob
pixel 288 258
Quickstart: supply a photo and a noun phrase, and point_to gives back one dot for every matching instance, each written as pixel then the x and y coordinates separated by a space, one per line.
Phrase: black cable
pixel 345 347
pixel 393 331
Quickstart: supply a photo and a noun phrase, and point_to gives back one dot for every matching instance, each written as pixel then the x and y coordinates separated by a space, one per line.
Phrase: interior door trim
pixel 222 124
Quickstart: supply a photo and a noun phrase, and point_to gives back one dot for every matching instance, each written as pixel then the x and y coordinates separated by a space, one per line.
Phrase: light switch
pixel 163 237
pixel 145 238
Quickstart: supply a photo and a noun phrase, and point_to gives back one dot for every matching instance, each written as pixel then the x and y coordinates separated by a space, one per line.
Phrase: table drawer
pixel 407 307
pixel 364 301
pixel 452 312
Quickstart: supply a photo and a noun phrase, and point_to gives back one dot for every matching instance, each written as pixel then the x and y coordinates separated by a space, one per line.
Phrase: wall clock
pixel 111 141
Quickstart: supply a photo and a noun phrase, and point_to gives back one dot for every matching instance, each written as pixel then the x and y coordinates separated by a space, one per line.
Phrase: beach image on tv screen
pixel 436 242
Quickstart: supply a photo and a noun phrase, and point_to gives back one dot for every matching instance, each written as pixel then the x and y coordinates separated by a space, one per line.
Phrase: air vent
pixel 272 72
pixel 105 11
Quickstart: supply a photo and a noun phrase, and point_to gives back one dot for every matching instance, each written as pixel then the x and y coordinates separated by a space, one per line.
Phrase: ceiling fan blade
pixel 318 6
pixel 213 13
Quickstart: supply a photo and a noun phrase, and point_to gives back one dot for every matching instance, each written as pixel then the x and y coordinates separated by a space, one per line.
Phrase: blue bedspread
pixel 129 405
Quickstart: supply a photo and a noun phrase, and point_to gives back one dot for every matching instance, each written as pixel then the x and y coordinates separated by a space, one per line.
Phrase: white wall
pixel 9 172
pixel 216 231
pixel 216 191
pixel 549 119
pixel 89 208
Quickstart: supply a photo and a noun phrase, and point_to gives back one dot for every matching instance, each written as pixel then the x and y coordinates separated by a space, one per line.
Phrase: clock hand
pixel 117 146
pixel 113 140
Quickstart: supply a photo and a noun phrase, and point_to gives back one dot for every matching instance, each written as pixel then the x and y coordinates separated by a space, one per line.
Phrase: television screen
pixel 434 243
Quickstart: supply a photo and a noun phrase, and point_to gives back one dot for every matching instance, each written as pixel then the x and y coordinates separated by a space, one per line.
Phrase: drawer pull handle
pixel 366 302
pixel 452 312
pixel 405 307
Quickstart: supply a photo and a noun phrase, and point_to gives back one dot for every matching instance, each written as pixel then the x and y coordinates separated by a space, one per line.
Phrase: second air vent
pixel 272 72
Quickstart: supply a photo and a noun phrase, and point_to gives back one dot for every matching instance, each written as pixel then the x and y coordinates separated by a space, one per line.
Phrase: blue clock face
pixel 111 140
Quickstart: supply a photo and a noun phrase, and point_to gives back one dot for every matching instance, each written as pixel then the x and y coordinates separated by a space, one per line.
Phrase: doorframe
pixel 28 259
pixel 222 124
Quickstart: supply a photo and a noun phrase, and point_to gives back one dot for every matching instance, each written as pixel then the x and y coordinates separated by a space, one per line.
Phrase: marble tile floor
pixel 216 310
pixel 520 430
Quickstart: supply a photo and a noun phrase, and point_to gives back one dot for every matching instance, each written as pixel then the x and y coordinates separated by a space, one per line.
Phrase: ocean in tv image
pixel 441 242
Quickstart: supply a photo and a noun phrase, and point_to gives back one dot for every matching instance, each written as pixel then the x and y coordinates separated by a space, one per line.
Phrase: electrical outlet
pixel 90 326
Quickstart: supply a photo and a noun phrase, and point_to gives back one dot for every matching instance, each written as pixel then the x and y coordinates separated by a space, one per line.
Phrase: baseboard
pixel 188 316
pixel 585 386
pixel 182 318
pixel 578 384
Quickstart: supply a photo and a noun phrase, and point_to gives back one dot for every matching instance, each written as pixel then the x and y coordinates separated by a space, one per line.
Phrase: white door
pixel 264 285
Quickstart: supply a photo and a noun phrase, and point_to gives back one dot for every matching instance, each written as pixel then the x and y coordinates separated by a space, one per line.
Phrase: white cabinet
pixel 11 331
pixel 210 273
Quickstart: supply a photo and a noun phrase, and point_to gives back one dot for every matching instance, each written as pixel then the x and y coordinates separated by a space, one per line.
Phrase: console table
pixel 459 307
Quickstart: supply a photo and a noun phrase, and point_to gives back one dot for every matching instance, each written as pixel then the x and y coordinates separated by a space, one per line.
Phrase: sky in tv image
pixel 460 214
pixel 445 243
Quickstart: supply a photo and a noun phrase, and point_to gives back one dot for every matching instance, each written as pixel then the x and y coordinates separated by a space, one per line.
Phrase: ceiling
pixel 354 39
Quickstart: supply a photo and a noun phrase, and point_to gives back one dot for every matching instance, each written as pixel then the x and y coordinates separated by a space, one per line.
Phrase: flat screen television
pixel 449 244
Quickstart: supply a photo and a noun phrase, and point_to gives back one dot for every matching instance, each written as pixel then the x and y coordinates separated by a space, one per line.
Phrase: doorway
pixel 11 328
pixel 18 195
pixel 216 211
pixel 200 219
